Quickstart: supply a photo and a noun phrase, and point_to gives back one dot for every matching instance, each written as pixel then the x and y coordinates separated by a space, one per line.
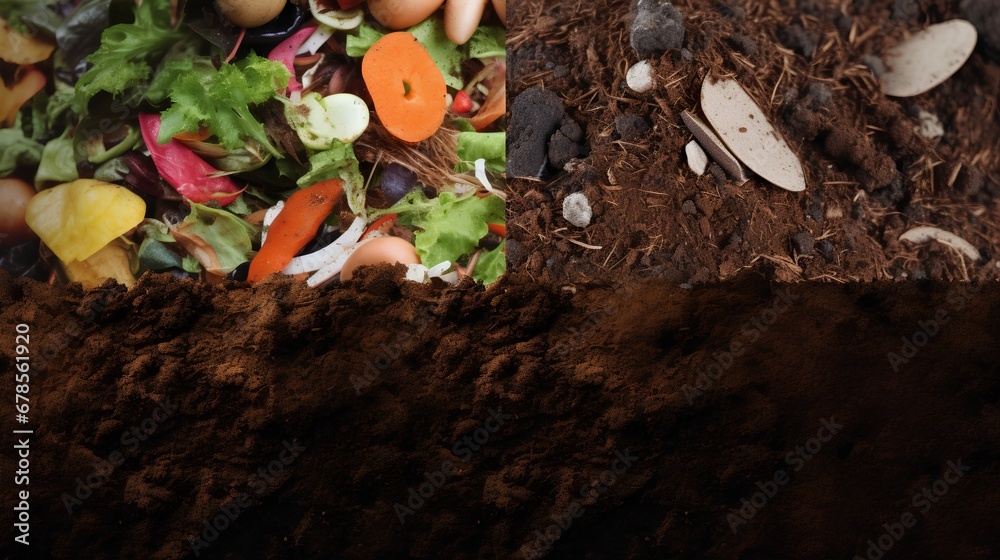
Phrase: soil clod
pixel 658 27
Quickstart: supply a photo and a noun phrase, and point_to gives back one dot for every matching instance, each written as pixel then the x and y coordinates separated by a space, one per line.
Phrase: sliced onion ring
pixel 329 254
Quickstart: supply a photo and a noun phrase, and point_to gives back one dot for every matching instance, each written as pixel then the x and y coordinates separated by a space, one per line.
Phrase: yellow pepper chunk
pixel 78 219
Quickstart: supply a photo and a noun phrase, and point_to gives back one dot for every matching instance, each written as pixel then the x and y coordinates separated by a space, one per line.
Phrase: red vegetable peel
pixel 285 54
pixel 190 175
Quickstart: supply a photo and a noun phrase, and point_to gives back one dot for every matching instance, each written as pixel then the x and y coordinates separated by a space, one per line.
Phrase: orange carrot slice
pixel 406 86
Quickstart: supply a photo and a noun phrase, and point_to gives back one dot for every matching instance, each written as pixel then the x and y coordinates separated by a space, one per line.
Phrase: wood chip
pixel 925 234
pixel 715 147
pixel 742 125
pixel 927 58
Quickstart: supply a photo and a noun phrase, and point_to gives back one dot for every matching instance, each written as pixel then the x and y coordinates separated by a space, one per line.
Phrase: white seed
pixel 925 234
pixel 576 210
pixel 742 125
pixel 928 58
pixel 640 78
pixel 696 157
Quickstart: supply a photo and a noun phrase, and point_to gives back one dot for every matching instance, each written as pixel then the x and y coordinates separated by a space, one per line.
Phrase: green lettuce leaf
pixel 58 164
pixel 230 237
pixel 447 227
pixel 191 265
pixel 491 265
pixel 488 42
pixel 358 45
pixel 220 101
pixel 338 162
pixel 155 255
pixel 17 150
pixel 14 10
pixel 128 53
pixel 491 146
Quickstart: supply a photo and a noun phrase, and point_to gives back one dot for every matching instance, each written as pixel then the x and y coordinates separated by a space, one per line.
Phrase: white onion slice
pixel 316 40
pixel 481 175
pixel 329 254
pixel 330 271
pixel 269 217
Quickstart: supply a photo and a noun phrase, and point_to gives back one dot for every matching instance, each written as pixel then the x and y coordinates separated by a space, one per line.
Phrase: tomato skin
pixel 14 197
pixel 462 103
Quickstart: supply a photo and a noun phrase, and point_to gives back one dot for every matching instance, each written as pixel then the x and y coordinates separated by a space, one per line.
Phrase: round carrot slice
pixel 406 86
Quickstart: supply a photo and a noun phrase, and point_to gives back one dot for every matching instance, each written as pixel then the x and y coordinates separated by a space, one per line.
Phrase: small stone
pixel 576 210
pixel 560 71
pixel 689 207
pixel 930 126
pixel 825 248
pixel 744 44
pixel 803 243
pixel 658 27
pixel 696 157
pixel 640 77
pixel 630 128
pixel 717 173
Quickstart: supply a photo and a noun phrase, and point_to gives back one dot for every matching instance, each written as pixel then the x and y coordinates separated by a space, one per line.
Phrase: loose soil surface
pixel 639 418
pixel 870 176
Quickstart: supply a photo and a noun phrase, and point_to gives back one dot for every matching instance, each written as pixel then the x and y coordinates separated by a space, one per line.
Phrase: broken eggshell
pixel 928 58
pixel 741 124
pixel 576 210
pixel 926 234
pixel 640 78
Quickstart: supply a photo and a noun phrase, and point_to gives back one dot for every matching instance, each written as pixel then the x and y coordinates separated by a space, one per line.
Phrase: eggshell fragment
pixel 742 125
pixel 640 78
pixel 390 250
pixel 396 14
pixel 928 58
pixel 576 210
pixel 925 234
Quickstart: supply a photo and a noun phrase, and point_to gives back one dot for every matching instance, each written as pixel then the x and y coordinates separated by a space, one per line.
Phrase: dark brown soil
pixel 870 177
pixel 693 396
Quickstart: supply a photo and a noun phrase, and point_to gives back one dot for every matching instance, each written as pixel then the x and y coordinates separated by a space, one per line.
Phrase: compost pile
pixel 313 417
pixel 871 175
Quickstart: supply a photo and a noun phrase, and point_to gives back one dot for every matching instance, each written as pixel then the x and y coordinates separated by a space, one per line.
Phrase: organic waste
pixel 172 136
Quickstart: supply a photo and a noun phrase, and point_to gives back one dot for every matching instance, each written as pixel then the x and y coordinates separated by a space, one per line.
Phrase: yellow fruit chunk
pixel 114 260
pixel 78 219
pixel 16 48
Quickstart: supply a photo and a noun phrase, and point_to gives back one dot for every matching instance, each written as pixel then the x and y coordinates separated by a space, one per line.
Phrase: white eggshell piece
pixel 928 58
pixel 930 126
pixel 348 115
pixel 576 210
pixel 696 157
pixel 742 125
pixel 640 78
pixel 926 234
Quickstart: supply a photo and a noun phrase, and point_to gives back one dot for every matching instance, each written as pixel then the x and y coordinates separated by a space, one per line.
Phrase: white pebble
pixel 640 77
pixel 930 126
pixel 697 158
pixel 576 210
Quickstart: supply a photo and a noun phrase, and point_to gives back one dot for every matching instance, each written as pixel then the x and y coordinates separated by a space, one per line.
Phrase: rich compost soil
pixel 870 175
pixel 512 422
